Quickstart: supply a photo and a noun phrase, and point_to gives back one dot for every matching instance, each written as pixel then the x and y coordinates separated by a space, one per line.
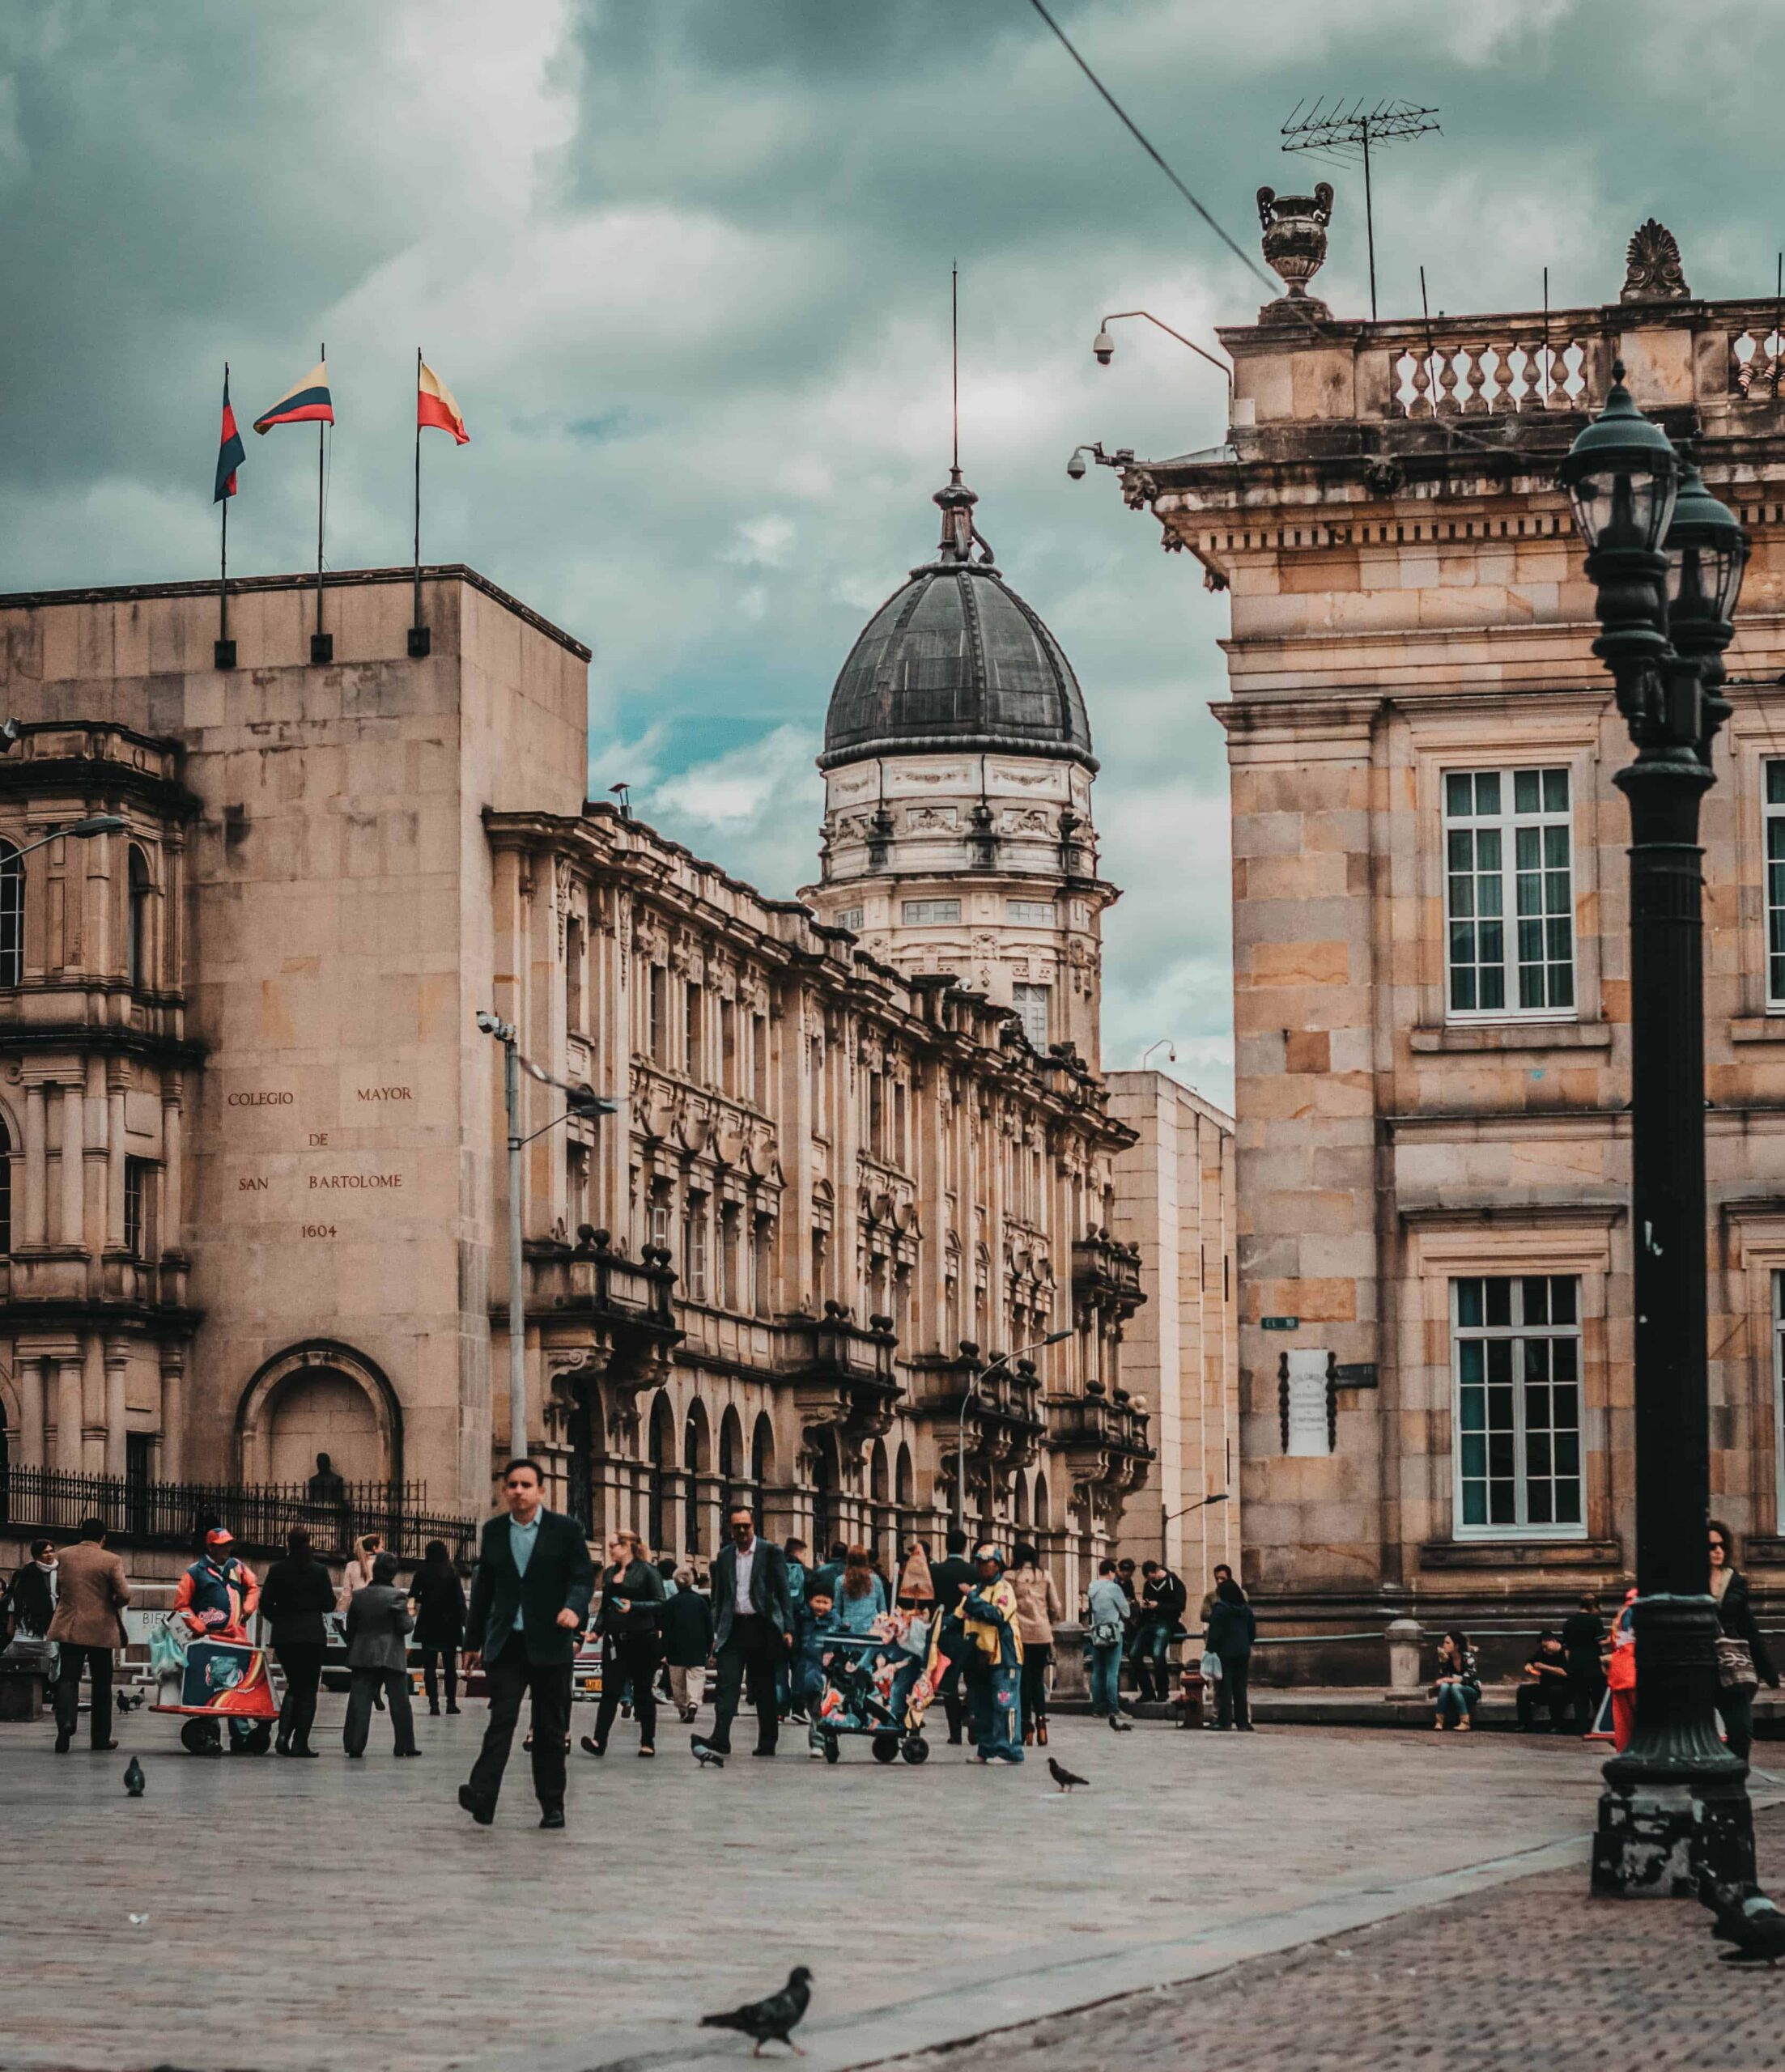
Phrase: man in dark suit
pixel 529 1601
pixel 951 1580
pixel 753 1629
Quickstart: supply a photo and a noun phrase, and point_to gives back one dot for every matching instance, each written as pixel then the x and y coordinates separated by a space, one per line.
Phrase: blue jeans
pixel 992 1693
pixel 1106 1677
pixel 1456 1702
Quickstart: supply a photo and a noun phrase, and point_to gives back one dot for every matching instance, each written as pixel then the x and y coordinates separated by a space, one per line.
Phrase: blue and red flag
pixel 231 452
pixel 308 403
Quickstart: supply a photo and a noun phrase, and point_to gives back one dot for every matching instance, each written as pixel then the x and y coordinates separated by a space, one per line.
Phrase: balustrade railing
pixel 178 1514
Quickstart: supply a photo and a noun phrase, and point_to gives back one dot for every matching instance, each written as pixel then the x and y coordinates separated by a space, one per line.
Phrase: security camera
pixel 1104 348
pixel 488 1022
pixel 1075 467
pixel 9 732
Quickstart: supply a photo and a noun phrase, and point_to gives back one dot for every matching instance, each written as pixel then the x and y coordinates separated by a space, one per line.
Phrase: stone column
pixel 102 1129
pixel 173 1192
pixel 30 1412
pixel 68 1411
pixel 73 1216
pixel 36 1167
pixel 117 1361
pixel 173 1412
pixel 113 1233
pixel 93 1424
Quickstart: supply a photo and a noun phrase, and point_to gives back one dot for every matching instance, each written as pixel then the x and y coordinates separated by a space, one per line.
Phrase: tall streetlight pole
pixel 1172 1518
pixel 1666 557
pixel 584 1101
pixel 970 1396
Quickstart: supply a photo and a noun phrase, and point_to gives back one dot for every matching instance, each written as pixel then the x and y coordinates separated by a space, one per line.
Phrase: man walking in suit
pixel 529 1601
pixel 753 1629
pixel 91 1592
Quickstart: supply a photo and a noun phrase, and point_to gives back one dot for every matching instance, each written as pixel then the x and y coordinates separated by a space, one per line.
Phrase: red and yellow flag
pixel 435 406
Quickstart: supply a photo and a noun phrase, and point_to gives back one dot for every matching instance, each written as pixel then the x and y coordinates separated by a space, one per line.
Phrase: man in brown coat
pixel 91 1592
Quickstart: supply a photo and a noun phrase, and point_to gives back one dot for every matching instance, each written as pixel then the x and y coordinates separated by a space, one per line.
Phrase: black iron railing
pixel 178 1514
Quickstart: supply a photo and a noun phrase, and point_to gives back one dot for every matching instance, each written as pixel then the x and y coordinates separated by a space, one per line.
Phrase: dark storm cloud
pixel 685 263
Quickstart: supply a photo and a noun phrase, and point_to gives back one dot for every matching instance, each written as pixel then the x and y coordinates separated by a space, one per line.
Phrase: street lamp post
pixel 584 1101
pixel 1666 558
pixel 1172 1518
pixel 83 830
pixel 970 1396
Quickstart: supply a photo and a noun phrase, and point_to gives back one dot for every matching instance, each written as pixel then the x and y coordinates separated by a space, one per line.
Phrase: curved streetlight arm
pixel 82 830
pixel 969 1395
pixel 1221 366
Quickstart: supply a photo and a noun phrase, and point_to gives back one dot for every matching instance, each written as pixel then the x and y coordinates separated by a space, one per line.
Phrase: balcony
pixel 1106 1275
pixel 1103 1438
pixel 841 1372
pixel 601 1312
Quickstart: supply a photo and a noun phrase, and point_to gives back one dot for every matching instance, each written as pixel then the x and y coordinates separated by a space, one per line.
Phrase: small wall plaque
pixel 1355 1374
pixel 1280 1323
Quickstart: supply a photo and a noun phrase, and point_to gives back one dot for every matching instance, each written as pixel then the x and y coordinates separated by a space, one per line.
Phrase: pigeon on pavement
pixel 133 1779
pixel 1120 1725
pixel 776 2018
pixel 1746 1918
pixel 1064 1778
pixel 704 1755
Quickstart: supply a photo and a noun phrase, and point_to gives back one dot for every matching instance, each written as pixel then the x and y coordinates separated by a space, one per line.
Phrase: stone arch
pixel 141 963
pixel 661 1463
pixel 904 1479
pixel 319 1397
pixel 879 1480
pixel 1043 1517
pixel 731 1446
pixel 1019 1499
pixel 761 1451
pixel 697 1439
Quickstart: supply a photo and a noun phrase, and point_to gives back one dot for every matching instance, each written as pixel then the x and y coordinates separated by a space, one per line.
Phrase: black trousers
pixel 634 1656
pixel 1551 1697
pixel 302 1663
pixel 510 1677
pixel 1231 1707
pixel 97 1661
pixel 1151 1658
pixel 449 1660
pixel 1037 1660
pixel 752 1654
pixel 1584 1693
pixel 367 1683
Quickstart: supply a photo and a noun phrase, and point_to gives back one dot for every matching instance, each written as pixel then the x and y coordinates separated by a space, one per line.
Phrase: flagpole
pixel 223 654
pixel 321 646
pixel 419 638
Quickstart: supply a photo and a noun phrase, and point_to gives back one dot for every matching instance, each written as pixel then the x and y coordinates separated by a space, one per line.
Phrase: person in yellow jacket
pixel 994 1661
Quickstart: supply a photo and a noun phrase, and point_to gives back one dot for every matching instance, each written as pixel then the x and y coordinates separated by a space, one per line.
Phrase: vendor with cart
pixel 218 1594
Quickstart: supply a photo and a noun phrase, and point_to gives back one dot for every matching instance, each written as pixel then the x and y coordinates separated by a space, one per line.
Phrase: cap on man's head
pixel 219 1536
pixel 989 1552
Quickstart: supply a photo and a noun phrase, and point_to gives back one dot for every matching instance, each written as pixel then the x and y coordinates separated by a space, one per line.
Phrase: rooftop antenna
pixel 1344 134
pixel 954 356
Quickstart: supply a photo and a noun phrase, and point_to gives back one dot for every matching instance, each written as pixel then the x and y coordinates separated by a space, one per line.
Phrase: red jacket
pixel 217 1598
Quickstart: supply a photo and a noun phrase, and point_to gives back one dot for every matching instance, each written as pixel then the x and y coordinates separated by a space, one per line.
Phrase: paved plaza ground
pixel 347 1916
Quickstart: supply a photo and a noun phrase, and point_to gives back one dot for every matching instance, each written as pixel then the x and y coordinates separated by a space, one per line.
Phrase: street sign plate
pixel 1280 1323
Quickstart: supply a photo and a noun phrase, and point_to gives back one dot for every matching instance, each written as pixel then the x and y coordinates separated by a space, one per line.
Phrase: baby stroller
pixel 873 1685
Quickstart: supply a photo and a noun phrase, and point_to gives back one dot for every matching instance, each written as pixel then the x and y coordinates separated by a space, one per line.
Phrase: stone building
pixel 254 1139
pixel 1430 974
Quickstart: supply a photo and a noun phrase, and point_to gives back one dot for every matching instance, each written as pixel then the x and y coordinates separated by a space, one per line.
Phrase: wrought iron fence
pixel 178 1514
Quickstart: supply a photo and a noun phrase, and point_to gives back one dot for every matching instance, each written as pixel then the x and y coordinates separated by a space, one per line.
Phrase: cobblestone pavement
pixel 348 1916
pixel 1533 1977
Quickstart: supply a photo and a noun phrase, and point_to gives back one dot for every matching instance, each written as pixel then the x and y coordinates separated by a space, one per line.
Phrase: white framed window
pixel 1774 809
pixel 1033 913
pixel 930 910
pixel 694 1249
pixel 849 918
pixel 1515 1361
pixel 1032 1004
pixel 1509 900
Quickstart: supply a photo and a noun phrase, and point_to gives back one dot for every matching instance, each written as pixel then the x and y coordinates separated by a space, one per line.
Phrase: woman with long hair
pixel 1743 1663
pixel 1457 1689
pixel 295 1601
pixel 1038 1611
pixel 862 1596
pixel 630 1623
pixel 916 1592
pixel 439 1599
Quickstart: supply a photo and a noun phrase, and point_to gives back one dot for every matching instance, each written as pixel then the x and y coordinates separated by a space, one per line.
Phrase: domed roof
pixel 955 659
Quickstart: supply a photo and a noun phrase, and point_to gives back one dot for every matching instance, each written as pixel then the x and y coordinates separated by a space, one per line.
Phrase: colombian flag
pixel 435 406
pixel 308 403
pixel 230 451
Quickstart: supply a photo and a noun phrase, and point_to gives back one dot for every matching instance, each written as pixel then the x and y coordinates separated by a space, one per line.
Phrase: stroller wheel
pixel 915 1750
pixel 198 1737
pixel 886 1747
pixel 832 1752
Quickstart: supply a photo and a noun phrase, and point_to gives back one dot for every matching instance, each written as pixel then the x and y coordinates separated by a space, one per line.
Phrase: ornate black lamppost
pixel 1666 558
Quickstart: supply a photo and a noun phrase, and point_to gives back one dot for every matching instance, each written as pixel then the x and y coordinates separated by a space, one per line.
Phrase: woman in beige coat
pixel 1037 1607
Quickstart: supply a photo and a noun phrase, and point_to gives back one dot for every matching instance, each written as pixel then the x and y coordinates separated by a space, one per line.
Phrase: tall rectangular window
pixel 574 1010
pixel 1776 884
pixel 730 1260
pixel 656 1011
pixel 1032 1004
pixel 761 1266
pixel 1509 948
pixel 694 1046
pixel 758 1059
pixel 1516 1361
pixel 138 1207
pixel 694 1250
pixel 728 1045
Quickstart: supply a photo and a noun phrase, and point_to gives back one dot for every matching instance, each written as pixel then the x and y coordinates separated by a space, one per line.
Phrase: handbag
pixel 1106 1633
pixel 1736 1669
pixel 1210 1666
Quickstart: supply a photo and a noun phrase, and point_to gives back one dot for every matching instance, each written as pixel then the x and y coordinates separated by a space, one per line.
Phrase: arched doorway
pixel 319 1398
pixel 696 1460
pixel 661 1456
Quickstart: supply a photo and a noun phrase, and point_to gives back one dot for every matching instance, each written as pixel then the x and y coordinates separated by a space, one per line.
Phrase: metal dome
pixel 955 659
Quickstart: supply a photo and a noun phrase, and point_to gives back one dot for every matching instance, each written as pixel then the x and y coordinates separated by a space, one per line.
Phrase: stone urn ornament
pixel 1294 226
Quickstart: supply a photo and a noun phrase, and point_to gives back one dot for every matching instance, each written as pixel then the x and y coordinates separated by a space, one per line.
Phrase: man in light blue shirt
pixel 523 1537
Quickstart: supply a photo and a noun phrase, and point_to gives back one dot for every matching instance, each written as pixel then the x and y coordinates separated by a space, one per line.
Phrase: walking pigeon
pixel 1120 1725
pixel 704 1755
pixel 1746 1918
pixel 133 1778
pixel 777 2017
pixel 1064 1778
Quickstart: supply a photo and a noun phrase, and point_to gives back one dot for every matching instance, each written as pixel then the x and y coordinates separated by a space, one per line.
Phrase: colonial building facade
pixel 1431 983
pixel 253 1142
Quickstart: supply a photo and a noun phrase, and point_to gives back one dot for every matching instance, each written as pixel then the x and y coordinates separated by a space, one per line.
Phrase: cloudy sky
pixel 686 264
